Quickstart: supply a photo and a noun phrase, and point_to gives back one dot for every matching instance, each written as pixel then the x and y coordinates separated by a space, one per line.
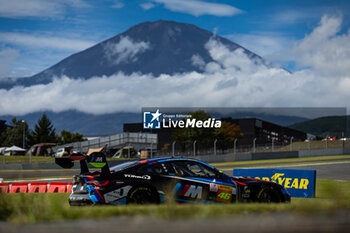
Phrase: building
pixel 165 136
pixel 262 132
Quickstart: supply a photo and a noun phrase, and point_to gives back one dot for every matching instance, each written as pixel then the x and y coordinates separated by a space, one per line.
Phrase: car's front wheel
pixel 142 195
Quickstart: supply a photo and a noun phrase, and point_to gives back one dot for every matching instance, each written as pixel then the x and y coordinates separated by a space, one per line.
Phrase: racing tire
pixel 142 195
pixel 268 195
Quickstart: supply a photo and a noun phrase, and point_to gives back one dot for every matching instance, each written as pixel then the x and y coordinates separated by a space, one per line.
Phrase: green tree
pixel 68 137
pixel 227 134
pixel 44 131
pixel 15 134
pixel 204 136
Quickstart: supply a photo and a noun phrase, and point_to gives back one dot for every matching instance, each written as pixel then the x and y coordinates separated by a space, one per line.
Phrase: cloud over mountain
pixel 125 50
pixel 229 77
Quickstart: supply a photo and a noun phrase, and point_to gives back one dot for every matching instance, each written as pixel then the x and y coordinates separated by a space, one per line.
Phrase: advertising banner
pixel 298 183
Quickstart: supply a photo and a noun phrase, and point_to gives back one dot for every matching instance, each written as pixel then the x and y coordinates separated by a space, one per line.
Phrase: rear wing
pixel 96 159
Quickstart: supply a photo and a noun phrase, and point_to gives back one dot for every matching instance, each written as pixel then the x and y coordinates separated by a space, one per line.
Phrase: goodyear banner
pixel 299 183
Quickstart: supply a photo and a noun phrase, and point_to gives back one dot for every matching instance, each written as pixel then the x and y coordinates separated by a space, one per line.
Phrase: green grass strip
pixel 331 196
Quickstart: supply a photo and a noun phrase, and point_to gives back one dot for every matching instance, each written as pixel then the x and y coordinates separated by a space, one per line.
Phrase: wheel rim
pixel 264 196
pixel 142 197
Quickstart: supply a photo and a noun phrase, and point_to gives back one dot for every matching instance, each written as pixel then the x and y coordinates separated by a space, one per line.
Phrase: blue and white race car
pixel 158 180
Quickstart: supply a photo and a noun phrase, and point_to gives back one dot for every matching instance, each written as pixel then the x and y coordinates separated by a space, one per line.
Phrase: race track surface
pixel 269 222
pixel 334 169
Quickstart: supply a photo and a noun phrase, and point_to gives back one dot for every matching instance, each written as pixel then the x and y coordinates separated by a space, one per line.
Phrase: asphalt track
pixel 333 169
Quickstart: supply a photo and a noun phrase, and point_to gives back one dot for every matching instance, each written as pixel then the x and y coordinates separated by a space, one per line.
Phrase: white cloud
pixel 7 58
pixel 324 49
pixel 125 50
pixel 118 5
pixel 147 6
pixel 198 61
pixel 231 80
pixel 288 17
pixel 37 41
pixel 230 60
pixel 37 8
pixel 198 7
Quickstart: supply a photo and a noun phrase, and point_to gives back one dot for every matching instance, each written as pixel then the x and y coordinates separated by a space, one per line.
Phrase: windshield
pixel 123 166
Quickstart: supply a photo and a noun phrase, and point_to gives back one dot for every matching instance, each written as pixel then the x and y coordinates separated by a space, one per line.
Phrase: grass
pixel 26 208
pixel 316 145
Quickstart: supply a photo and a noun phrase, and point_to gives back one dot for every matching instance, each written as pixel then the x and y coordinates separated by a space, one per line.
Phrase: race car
pixel 158 180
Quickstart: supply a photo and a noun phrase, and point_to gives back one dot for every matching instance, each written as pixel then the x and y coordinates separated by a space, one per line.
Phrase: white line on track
pixel 36 180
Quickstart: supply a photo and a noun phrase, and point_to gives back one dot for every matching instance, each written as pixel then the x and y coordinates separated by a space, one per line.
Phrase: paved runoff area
pixel 247 223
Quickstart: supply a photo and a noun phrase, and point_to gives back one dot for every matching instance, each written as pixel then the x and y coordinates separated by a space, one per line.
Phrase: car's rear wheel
pixel 267 195
pixel 263 195
pixel 142 195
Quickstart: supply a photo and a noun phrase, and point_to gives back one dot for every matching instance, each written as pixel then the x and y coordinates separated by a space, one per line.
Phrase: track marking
pixel 31 180
pixel 313 164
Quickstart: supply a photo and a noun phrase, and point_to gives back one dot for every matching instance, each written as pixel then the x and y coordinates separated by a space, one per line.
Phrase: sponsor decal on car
pixel 213 187
pixel 144 177
pixel 116 194
pixel 97 161
pixel 191 191
pixel 224 193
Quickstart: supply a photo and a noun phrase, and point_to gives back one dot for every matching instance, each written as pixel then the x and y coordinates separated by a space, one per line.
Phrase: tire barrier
pixel 4 187
pixel 39 187
pixel 36 187
pixel 19 188
pixel 57 187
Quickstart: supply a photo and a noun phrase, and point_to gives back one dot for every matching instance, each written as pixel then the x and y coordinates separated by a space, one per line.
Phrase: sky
pixel 310 38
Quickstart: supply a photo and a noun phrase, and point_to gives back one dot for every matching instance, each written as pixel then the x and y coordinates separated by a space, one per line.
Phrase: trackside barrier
pixel 38 187
pixel 69 189
pixel 4 187
pixel 57 187
pixel 19 188
pixel 298 182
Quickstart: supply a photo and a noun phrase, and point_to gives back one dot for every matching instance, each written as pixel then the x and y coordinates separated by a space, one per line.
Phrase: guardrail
pixel 138 140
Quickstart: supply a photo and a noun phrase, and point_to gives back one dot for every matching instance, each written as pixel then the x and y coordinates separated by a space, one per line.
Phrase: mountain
pixel 162 47
pixel 325 126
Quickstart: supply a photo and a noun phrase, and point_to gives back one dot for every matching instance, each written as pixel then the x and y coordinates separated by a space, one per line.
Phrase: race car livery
pixel 158 180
